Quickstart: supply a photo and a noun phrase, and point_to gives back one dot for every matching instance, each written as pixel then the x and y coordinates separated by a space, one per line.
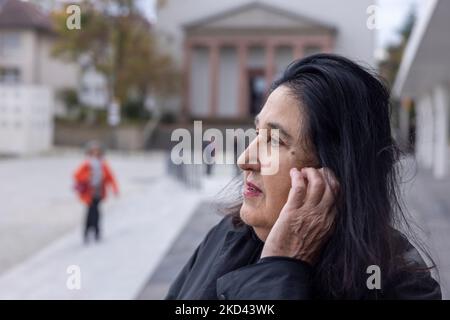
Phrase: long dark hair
pixel 347 113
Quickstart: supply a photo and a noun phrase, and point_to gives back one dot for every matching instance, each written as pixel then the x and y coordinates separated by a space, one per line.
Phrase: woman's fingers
pixel 306 220
pixel 322 187
pixel 319 192
pixel 297 193
pixel 316 186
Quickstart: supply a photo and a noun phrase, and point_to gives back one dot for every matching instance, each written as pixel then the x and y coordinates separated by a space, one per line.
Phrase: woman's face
pixel 265 194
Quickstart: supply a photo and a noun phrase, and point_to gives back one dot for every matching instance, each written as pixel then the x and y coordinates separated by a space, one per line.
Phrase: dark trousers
pixel 209 169
pixel 93 220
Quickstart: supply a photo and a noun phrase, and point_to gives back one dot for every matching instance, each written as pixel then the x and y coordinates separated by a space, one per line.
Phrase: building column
pixel 425 131
pixel 214 60
pixel 404 125
pixel 419 146
pixel 441 104
pixel 187 63
pixel 270 64
pixel 243 81
pixel 328 45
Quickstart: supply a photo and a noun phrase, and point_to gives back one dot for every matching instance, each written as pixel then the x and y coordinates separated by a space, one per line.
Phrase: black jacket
pixel 227 265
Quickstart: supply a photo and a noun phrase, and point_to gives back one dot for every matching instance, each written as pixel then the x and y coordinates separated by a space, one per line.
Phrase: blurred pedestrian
pixel 209 150
pixel 92 179
pixel 236 153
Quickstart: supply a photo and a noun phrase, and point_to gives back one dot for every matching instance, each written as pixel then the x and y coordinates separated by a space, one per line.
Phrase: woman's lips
pixel 250 190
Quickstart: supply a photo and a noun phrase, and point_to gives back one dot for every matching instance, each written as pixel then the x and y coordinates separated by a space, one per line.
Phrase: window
pixel 9 75
pixel 9 43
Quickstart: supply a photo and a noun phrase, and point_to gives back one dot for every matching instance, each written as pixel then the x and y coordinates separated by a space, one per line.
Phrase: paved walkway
pixel 203 219
pixel 138 227
pixel 38 204
pixel 428 201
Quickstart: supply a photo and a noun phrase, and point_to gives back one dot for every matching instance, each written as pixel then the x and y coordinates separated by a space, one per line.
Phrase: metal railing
pixel 189 174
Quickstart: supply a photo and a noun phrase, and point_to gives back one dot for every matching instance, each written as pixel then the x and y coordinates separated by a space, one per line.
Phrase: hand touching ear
pixel 306 220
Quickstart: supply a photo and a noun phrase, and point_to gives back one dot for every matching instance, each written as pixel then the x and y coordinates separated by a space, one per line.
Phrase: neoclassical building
pixel 230 56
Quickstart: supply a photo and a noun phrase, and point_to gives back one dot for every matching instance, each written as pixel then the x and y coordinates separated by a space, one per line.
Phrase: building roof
pixel 250 17
pixel 23 15
pixel 426 62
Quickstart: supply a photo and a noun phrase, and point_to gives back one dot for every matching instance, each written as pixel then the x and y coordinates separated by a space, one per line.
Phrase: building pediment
pixel 257 16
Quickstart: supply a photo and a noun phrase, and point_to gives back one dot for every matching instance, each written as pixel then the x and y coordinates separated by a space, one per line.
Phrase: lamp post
pixel 114 119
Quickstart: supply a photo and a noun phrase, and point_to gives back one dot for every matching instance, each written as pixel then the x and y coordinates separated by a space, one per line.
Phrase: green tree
pixel 389 67
pixel 116 39
pixel 402 117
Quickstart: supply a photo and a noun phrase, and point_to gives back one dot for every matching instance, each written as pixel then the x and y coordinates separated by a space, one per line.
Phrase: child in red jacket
pixel 92 180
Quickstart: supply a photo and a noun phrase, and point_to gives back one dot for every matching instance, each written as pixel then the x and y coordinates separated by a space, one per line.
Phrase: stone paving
pixel 41 220
pixel 189 238
pixel 428 201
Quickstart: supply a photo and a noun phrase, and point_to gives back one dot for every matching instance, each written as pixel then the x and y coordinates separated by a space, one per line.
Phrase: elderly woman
pixel 328 219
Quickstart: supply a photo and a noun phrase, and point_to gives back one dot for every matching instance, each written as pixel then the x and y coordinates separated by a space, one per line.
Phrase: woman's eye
pixel 275 141
pixel 271 138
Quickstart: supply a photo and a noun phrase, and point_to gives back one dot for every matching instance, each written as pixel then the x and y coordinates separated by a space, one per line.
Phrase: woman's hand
pixel 307 218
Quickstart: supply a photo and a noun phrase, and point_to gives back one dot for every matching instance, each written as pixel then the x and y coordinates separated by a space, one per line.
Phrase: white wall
pixel 55 72
pixel 93 89
pixel 26 124
pixel 37 65
pixel 22 58
pixel 441 105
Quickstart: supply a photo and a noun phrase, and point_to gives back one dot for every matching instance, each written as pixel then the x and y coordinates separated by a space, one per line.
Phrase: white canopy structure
pixel 424 76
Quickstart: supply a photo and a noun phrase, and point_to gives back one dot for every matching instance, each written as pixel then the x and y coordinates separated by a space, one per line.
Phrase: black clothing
pixel 227 265
pixel 92 220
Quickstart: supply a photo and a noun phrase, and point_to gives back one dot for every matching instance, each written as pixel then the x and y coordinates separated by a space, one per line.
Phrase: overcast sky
pixel 393 14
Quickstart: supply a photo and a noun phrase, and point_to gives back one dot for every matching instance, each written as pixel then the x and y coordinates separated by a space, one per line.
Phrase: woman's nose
pixel 249 159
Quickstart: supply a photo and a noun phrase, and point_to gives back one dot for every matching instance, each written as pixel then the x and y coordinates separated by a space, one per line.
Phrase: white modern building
pixel 29 78
pixel 93 88
pixel 230 51
pixel 424 76
pixel 26 41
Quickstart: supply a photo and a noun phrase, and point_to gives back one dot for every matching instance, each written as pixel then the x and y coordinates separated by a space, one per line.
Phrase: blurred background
pixel 127 73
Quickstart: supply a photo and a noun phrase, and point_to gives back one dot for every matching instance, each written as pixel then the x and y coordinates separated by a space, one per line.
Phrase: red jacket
pixel 83 181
